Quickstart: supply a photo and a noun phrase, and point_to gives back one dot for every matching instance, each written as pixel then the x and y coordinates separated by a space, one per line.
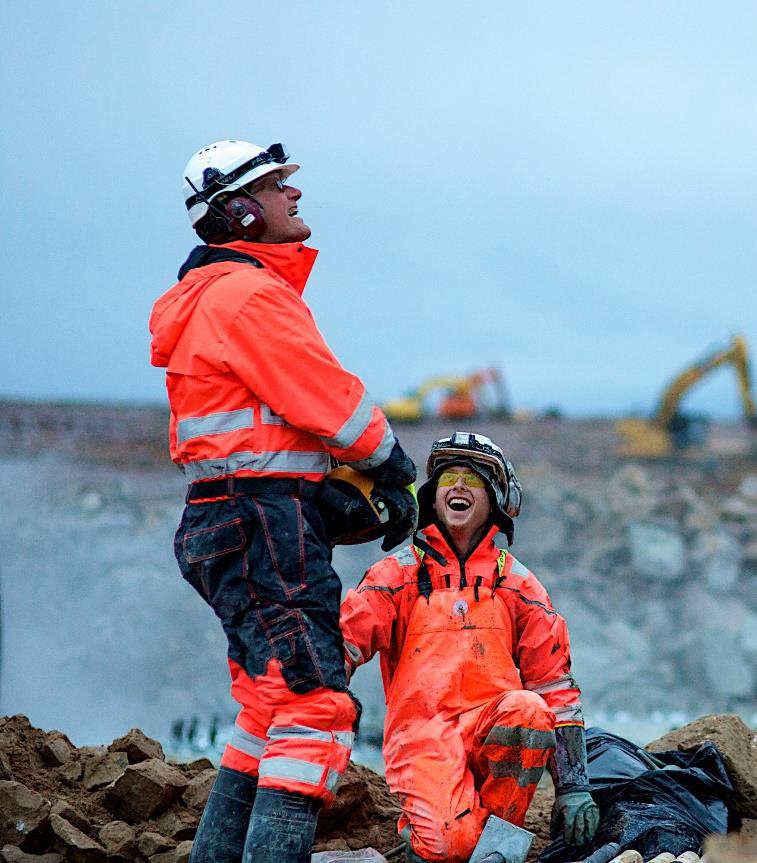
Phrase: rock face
pixel 738 746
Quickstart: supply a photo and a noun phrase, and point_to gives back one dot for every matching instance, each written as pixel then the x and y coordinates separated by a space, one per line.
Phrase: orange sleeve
pixel 273 345
pixel 368 613
pixel 542 651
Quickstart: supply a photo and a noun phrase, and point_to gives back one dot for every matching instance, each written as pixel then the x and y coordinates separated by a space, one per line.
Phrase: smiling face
pixel 461 502
pixel 279 203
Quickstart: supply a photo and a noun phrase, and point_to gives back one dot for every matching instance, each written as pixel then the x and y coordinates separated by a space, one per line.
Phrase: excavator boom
pixel 668 428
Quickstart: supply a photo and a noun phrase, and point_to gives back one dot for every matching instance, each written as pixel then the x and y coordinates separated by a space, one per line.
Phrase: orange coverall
pixel 476 669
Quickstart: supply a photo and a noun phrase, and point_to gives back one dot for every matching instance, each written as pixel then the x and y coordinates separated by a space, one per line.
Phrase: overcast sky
pixel 566 190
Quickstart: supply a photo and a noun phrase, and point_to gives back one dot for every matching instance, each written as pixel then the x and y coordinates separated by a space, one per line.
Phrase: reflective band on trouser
pixel 349 433
pixel 514 753
pixel 301 753
pixel 284 461
pixel 243 751
pixel 345 738
pixel 210 424
pixel 308 736
pixel 288 770
pixel 380 454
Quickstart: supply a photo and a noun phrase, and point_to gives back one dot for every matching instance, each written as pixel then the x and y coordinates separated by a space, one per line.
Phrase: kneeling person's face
pixel 462 501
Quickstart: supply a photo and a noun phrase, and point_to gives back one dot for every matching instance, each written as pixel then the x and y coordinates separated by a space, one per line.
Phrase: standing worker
pixel 475 663
pixel 259 408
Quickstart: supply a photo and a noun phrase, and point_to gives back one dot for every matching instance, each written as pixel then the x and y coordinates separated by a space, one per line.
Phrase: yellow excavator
pixel 461 398
pixel 669 430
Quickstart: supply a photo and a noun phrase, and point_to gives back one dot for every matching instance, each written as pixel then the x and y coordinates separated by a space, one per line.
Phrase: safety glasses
pixel 450 477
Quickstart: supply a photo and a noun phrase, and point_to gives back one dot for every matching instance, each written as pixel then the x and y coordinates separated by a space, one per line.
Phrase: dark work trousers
pixel 263 564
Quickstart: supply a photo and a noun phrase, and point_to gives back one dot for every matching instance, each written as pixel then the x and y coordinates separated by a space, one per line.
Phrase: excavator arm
pixel 652 438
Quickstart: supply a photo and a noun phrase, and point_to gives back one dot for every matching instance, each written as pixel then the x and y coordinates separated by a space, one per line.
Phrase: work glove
pixel 576 815
pixel 397 470
pixel 403 512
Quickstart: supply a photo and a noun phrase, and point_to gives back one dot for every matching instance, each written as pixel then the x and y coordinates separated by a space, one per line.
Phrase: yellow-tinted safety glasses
pixel 450 477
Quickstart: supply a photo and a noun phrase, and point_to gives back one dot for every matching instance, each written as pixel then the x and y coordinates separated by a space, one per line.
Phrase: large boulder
pixel 24 814
pixel 144 790
pixel 138 747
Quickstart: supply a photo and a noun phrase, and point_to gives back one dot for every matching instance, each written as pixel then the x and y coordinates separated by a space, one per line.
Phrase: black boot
pixel 282 828
pixel 223 828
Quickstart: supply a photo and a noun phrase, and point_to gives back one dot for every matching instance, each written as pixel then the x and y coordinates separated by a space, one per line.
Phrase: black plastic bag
pixel 666 801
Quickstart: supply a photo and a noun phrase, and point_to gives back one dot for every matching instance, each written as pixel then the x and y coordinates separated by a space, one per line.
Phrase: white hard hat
pixel 225 166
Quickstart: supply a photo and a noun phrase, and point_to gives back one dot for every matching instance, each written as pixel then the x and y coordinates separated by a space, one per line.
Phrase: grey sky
pixel 565 190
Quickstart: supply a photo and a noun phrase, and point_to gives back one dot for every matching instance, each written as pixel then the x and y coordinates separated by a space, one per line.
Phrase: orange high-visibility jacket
pixel 254 389
pixel 486 626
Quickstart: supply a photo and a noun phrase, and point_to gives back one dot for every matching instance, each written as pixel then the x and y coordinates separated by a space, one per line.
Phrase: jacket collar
pixel 438 540
pixel 291 261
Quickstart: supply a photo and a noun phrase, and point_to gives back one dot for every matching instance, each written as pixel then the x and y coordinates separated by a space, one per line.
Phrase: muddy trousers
pixel 459 772
pixel 262 562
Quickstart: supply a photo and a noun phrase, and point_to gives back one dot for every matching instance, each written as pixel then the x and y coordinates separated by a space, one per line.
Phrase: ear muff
pixel 245 218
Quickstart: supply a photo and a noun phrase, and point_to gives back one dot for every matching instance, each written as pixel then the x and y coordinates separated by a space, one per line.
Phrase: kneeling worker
pixel 475 663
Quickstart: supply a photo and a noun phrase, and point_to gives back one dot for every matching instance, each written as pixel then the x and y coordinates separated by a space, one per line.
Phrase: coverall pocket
pixel 214 541
pixel 215 565
pixel 286 635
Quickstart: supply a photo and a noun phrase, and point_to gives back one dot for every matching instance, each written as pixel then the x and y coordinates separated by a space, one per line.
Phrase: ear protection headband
pixel 242 215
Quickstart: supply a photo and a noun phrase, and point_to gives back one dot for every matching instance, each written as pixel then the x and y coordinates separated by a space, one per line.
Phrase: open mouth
pixel 293 211
pixel 458 504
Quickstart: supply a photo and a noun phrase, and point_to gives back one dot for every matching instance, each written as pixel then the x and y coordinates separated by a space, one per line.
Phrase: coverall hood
pixel 293 262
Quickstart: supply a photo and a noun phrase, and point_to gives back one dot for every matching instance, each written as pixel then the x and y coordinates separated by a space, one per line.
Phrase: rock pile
pixel 125 803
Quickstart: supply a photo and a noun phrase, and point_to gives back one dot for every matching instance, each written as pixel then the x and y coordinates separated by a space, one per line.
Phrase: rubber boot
pixel 282 828
pixel 223 827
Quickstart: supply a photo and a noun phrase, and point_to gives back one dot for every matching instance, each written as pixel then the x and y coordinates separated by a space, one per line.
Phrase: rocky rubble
pixel 124 803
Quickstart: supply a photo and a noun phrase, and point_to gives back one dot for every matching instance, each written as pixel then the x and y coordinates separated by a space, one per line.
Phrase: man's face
pixel 279 203
pixel 461 502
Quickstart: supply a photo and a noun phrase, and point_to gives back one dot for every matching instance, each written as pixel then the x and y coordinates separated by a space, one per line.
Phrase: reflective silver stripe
pixel 345 738
pixel 518 569
pixel 567 681
pixel 246 742
pixel 285 461
pixel 333 779
pixel 528 738
pixel 269 418
pixel 380 454
pixel 291 768
pixel 571 713
pixel 525 775
pixel 349 433
pixel 220 423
